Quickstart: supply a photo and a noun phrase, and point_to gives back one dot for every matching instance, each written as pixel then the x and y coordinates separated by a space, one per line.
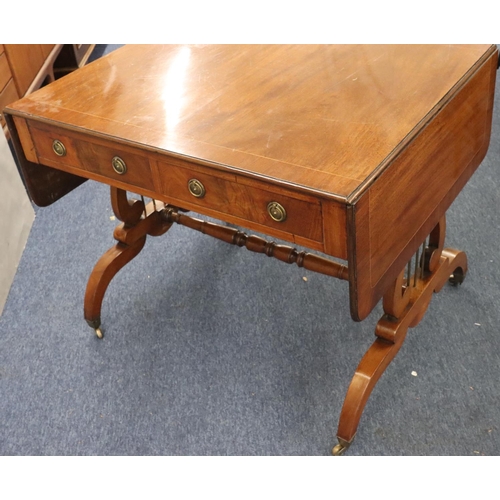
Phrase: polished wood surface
pixel 355 151
pixel 321 117
pixel 392 216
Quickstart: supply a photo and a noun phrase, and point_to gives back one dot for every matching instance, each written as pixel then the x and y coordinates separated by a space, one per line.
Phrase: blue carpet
pixel 214 350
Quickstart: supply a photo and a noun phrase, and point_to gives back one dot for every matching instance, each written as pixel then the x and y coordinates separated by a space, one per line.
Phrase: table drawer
pixel 267 207
pixel 67 148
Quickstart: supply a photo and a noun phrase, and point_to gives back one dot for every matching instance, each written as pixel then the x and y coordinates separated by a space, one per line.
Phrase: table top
pixel 325 118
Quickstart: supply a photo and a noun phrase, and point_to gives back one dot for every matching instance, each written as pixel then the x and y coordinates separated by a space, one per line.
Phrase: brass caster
pixel 338 450
pixel 98 333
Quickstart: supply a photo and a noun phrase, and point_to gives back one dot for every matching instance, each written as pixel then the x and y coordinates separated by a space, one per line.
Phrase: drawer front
pixel 7 95
pixel 272 209
pixel 94 157
pixel 5 74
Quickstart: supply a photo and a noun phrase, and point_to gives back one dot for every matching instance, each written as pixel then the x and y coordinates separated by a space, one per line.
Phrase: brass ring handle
pixel 196 188
pixel 276 211
pixel 119 166
pixel 58 148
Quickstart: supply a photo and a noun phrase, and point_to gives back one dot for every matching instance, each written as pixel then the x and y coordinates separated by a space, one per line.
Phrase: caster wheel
pixel 457 278
pixel 338 450
pixel 98 333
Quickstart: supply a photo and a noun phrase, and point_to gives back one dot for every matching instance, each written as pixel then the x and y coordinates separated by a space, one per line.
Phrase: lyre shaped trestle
pixel 405 304
pixel 138 220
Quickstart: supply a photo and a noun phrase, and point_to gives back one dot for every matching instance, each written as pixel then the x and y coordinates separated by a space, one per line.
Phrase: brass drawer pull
pixel 276 211
pixel 118 165
pixel 196 188
pixel 59 148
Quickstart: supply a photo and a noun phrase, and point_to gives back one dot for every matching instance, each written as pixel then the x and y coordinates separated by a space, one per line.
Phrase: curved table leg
pixel 102 274
pixel 405 304
pixel 138 221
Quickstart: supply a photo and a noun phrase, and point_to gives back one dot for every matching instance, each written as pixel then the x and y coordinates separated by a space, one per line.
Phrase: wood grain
pixel 391 218
pixel 242 201
pixel 7 95
pixel 25 61
pixel 5 74
pixel 319 117
pixel 92 156
pixel 44 185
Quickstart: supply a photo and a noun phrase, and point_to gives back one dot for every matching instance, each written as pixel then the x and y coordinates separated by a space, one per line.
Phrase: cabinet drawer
pixel 5 74
pixel 7 95
pixel 95 157
pixel 259 205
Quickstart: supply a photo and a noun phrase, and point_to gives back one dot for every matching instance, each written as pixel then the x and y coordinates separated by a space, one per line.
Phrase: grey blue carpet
pixel 214 350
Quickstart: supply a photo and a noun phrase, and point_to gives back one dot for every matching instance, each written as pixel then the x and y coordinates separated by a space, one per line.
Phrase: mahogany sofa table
pixel 355 152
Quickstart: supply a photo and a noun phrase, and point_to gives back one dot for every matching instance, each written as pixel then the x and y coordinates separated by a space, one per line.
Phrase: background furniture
pixel 26 67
